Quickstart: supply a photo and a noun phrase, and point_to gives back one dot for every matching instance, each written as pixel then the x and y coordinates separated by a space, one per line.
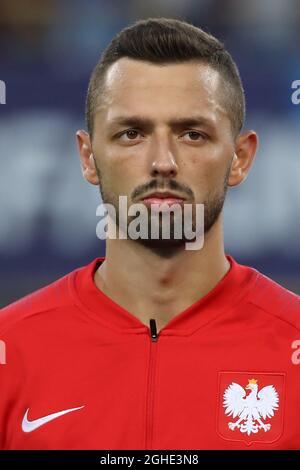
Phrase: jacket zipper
pixel 150 385
pixel 153 330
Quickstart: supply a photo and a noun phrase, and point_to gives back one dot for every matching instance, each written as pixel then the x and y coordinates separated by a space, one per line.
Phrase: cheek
pixel 121 174
pixel 205 171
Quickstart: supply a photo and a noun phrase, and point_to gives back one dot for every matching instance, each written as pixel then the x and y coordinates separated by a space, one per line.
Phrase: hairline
pixel 225 102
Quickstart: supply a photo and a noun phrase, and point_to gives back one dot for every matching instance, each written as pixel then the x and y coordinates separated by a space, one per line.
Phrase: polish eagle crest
pixel 251 410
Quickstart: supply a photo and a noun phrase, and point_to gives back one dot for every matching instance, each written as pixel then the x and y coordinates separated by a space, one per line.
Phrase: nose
pixel 163 161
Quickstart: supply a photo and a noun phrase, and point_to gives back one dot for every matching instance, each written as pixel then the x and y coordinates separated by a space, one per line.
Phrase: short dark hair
pixel 163 41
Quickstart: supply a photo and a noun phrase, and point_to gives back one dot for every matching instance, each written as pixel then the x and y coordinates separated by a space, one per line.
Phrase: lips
pixel 163 198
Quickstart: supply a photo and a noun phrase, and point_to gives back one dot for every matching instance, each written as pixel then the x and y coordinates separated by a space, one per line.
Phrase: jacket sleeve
pixel 11 379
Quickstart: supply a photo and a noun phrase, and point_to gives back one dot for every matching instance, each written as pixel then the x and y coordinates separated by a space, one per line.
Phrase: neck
pixel 149 285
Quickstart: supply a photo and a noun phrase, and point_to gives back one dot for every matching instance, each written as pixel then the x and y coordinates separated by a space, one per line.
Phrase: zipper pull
pixel 153 330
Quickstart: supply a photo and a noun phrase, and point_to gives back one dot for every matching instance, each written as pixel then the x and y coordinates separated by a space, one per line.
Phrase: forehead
pixel 133 87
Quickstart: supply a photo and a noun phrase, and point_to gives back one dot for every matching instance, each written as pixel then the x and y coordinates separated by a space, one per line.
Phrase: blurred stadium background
pixel 48 212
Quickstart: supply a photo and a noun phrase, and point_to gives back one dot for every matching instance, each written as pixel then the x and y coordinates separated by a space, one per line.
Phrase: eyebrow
pixel 146 123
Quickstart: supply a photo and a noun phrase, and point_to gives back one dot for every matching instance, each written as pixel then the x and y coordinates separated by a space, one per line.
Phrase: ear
pixel 86 157
pixel 245 149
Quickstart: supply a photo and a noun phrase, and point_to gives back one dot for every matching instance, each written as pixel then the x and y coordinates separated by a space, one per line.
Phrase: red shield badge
pixel 251 405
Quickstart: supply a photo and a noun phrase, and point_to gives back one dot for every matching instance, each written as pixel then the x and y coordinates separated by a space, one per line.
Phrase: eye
pixel 195 136
pixel 131 134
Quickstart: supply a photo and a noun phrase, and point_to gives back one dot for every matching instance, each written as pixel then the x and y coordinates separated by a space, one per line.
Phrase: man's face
pixel 163 127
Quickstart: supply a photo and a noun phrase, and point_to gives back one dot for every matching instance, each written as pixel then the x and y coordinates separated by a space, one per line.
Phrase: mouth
pixel 163 198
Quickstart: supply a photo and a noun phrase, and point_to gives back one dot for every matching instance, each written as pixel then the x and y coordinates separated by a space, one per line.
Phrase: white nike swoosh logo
pixel 28 426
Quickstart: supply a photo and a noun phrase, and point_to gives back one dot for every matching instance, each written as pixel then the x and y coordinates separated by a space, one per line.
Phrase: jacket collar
pixel 225 296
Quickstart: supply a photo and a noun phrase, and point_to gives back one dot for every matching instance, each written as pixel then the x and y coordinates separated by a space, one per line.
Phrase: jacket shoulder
pixel 276 300
pixel 45 299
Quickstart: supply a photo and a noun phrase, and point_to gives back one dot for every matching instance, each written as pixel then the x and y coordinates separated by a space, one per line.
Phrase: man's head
pixel 169 41
pixel 165 108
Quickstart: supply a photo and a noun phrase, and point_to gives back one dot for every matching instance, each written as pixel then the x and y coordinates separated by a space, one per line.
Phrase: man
pixel 157 346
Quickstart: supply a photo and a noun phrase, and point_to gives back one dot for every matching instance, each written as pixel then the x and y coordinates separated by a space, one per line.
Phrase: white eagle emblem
pixel 251 409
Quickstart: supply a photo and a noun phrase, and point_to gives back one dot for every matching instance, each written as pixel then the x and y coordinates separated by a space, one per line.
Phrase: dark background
pixel 48 212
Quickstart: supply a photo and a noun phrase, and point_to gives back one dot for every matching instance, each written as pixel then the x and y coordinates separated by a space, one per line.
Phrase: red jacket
pixel 81 372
